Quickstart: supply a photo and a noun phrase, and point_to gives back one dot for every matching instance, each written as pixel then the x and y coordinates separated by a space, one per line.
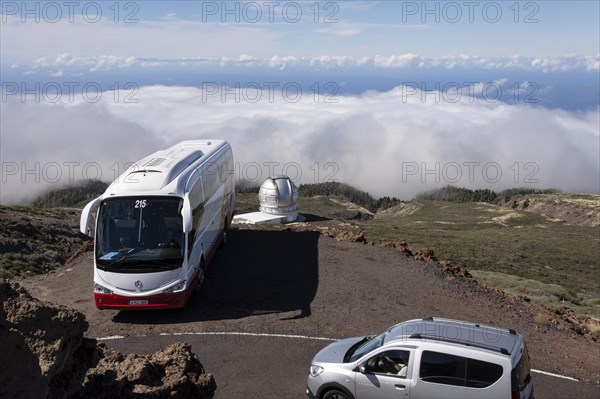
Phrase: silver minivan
pixel 426 358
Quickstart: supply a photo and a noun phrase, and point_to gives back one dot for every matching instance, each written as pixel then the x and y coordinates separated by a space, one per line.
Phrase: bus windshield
pixel 140 234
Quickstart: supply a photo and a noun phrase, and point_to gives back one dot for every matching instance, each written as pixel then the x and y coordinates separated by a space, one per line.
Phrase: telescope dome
pixel 279 196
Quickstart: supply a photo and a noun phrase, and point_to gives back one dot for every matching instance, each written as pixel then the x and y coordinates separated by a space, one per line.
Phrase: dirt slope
pixel 34 241
pixel 579 209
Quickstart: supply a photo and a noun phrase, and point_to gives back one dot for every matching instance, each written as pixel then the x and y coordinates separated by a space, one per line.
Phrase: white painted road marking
pixel 248 334
pixel 112 337
pixel 252 335
pixel 115 337
pixel 555 375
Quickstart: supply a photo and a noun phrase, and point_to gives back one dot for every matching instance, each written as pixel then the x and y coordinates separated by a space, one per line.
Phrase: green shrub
pixel 70 195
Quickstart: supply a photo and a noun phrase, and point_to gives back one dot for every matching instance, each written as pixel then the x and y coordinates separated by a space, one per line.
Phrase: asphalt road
pixel 291 283
pixel 277 367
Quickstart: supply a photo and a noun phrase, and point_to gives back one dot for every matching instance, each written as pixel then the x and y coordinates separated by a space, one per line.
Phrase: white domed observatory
pixel 278 197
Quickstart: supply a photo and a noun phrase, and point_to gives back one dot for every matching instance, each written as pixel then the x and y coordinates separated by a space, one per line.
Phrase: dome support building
pixel 278 197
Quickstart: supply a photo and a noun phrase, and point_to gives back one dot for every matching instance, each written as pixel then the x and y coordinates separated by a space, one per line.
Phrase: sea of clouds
pixel 395 143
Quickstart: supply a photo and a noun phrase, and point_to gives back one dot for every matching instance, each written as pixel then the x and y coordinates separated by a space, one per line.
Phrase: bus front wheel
pixel 201 274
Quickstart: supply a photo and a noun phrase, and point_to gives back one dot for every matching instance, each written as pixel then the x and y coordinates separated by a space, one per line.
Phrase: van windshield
pixel 140 234
pixel 369 345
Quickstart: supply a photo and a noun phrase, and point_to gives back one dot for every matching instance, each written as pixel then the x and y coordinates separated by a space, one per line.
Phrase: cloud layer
pixel 395 143
pixel 544 64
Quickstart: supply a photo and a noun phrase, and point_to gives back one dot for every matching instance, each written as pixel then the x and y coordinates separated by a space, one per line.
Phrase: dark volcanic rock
pixel 172 372
pixel 352 236
pixel 37 342
pixel 44 355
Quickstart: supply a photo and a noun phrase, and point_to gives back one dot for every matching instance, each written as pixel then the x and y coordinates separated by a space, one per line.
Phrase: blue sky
pixel 438 75
pixel 432 28
pixel 344 28
pixel 374 45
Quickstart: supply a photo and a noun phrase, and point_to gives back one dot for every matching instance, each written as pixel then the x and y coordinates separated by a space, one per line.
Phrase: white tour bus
pixel 158 225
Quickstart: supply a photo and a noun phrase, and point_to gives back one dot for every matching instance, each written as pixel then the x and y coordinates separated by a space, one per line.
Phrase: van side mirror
pixel 362 369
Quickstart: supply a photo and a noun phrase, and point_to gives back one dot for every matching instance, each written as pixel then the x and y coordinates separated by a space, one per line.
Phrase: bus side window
pixel 210 180
pixel 190 237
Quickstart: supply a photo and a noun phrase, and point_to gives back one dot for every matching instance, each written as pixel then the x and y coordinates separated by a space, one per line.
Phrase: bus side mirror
pixel 84 222
pixel 186 214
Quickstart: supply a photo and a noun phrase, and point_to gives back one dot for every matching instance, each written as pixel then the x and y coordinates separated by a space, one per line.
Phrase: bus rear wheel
pixel 224 236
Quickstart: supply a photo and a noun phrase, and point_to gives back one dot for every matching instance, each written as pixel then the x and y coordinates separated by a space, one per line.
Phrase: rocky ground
pixel 319 278
pixel 581 209
pixel 302 283
pixel 45 355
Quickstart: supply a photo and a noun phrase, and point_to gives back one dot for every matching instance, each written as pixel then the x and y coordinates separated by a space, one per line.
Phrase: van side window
pixel 442 368
pixel 482 374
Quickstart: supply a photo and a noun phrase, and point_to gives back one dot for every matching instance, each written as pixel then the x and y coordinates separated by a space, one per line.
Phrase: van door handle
pixel 400 386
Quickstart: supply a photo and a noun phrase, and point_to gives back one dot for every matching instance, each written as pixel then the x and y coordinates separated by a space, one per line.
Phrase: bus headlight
pixel 176 288
pixel 101 289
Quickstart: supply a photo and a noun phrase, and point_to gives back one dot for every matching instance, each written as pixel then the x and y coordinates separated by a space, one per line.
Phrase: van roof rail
pixel 504 351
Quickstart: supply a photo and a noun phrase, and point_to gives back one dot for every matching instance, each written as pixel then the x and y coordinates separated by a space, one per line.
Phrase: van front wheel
pixel 335 394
